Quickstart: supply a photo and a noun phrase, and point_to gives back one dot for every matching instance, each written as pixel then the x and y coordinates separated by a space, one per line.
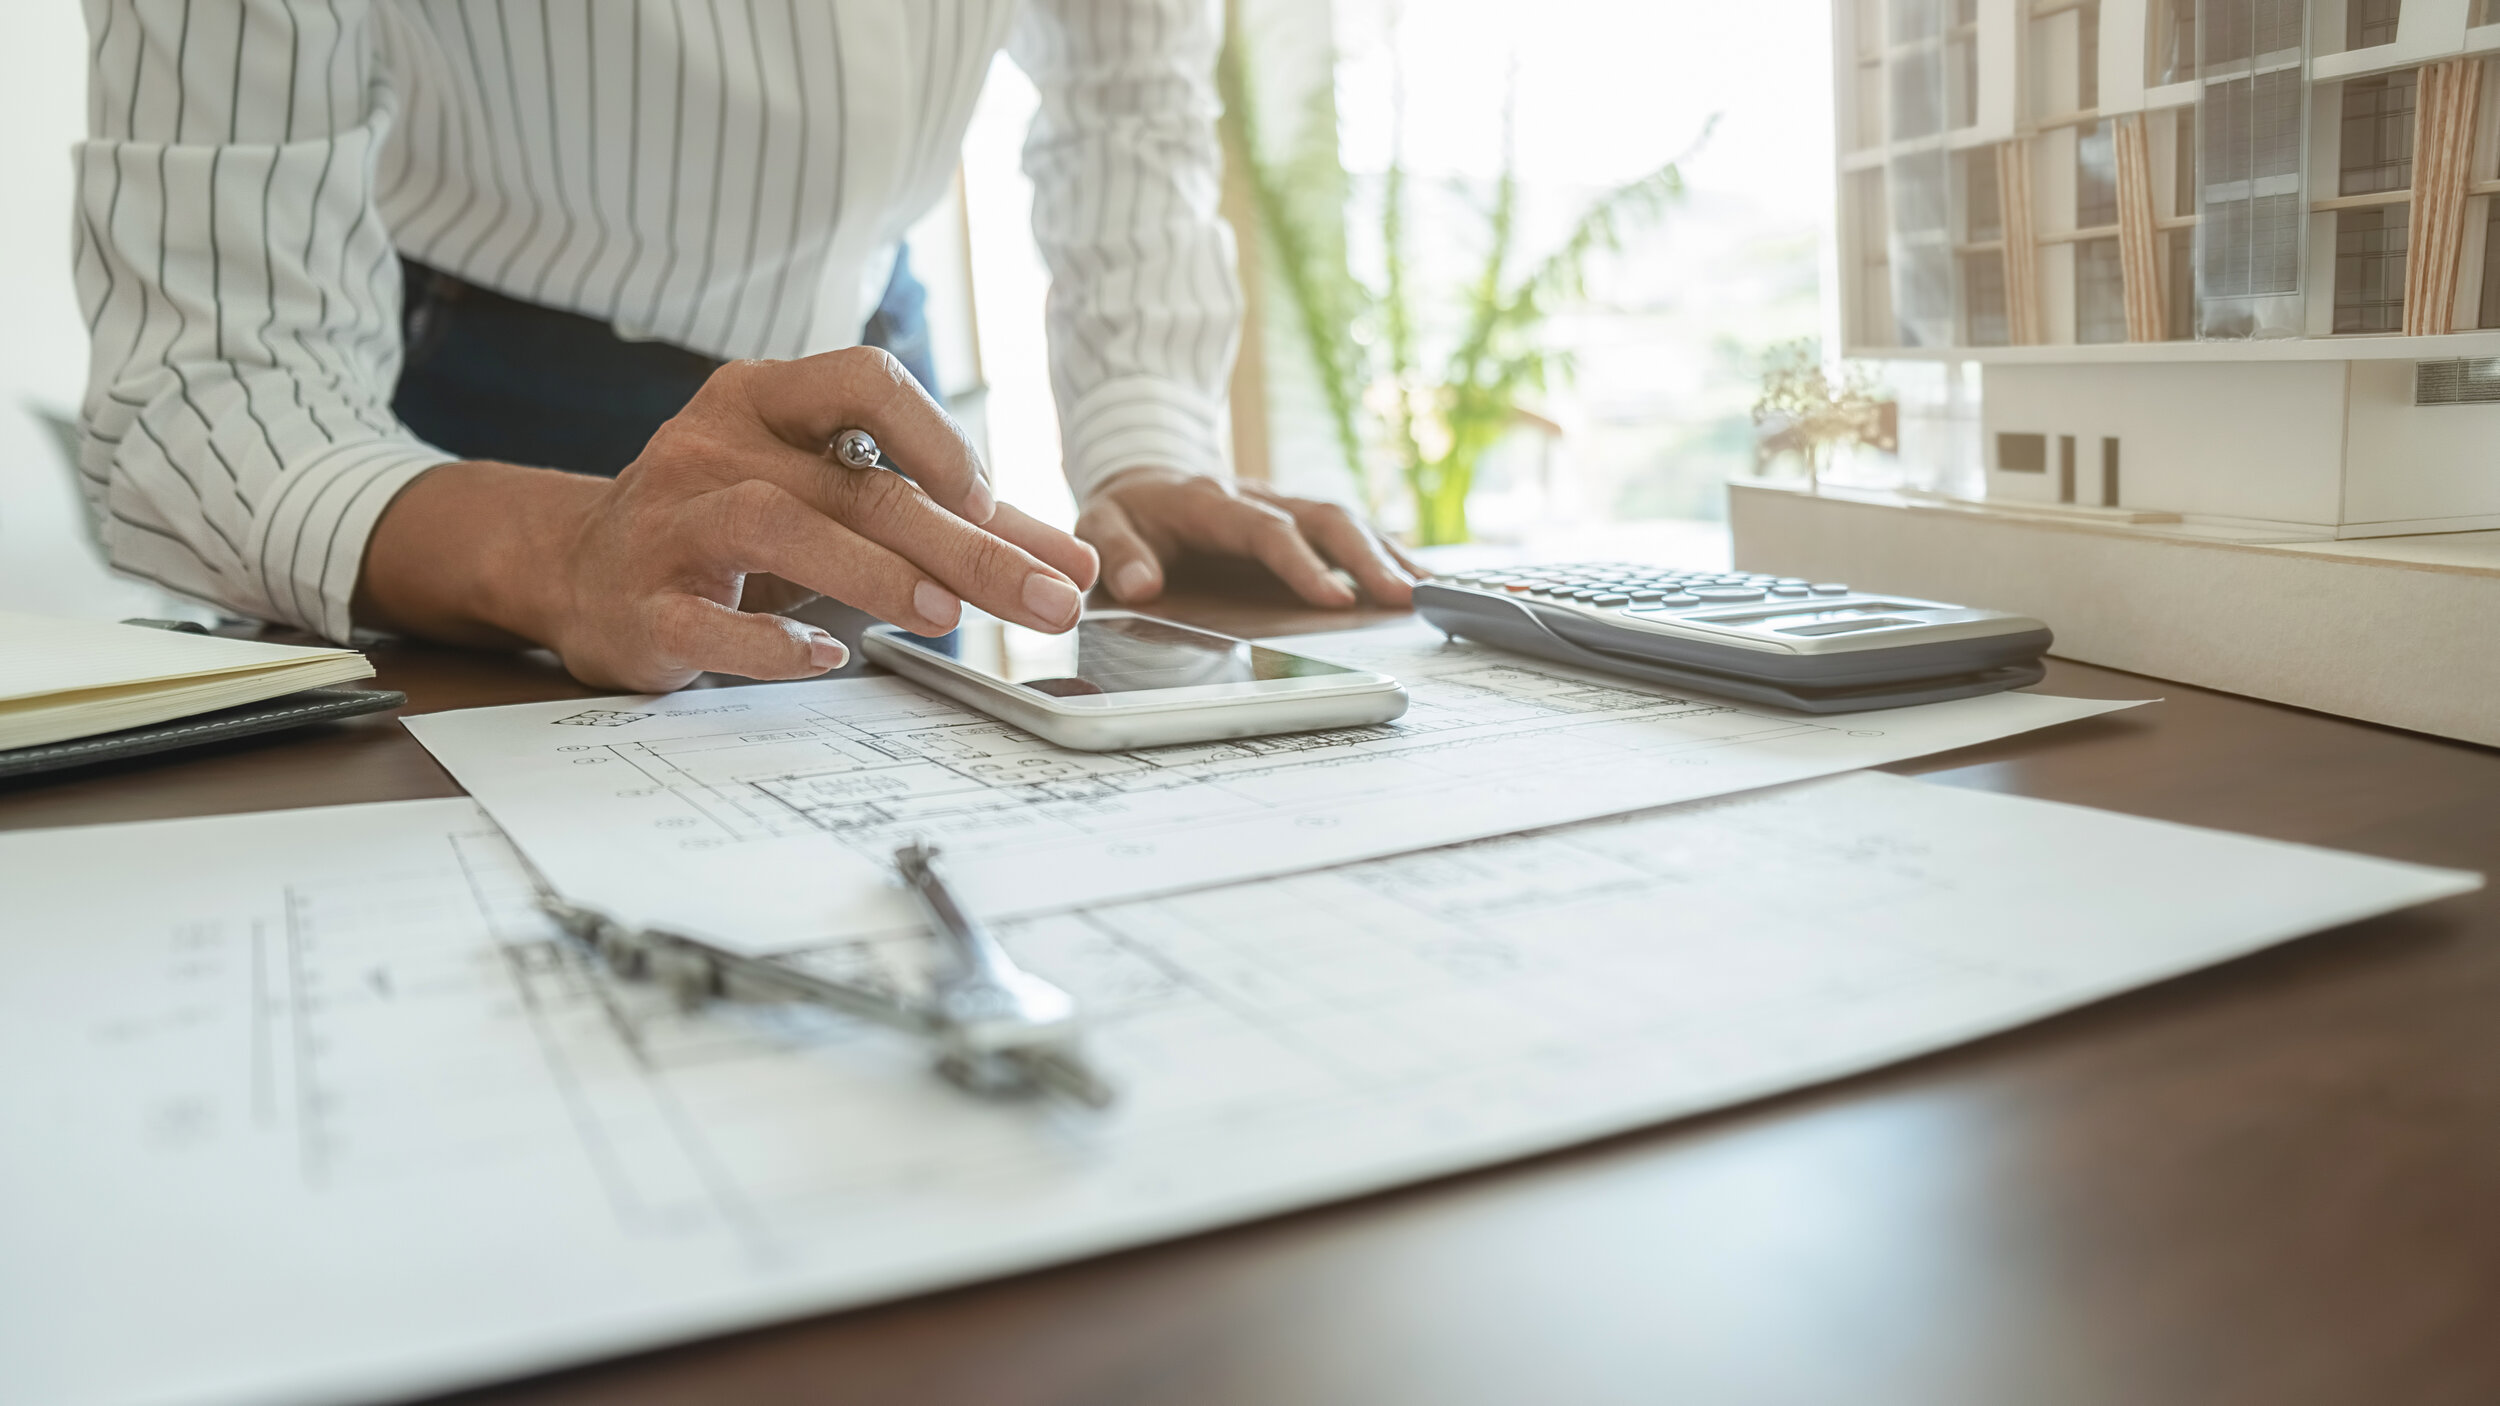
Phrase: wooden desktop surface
pixel 2275 1182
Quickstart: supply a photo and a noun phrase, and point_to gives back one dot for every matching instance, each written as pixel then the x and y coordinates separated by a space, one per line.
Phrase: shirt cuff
pixel 309 546
pixel 1138 421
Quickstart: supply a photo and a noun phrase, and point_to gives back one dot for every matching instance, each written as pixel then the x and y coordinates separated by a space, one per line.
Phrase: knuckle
pixel 863 360
pixel 753 509
pixel 694 444
pixel 873 373
pixel 987 558
pixel 674 443
pixel 670 632
pixel 731 383
pixel 871 494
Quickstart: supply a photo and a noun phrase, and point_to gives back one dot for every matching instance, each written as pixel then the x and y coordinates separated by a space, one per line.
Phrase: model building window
pixel 2023 453
pixel 2251 210
pixel 1964 50
pixel 2096 177
pixel 1962 62
pixel 2370 269
pixel 1919 190
pixel 1913 20
pixel 2377 157
pixel 2182 285
pixel 1983 300
pixel 2378 134
pixel 2370 23
pixel 1917 93
pixel 1983 207
pixel 2088 55
pixel 2491 266
pixel 2170 43
pixel 1874 234
pixel 2100 292
pixel 2183 164
pixel 2237 30
pixel 1983 268
pixel 2179 245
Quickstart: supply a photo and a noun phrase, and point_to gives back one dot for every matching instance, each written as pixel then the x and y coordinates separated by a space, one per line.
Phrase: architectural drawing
pixel 2228 264
pixel 767 816
pixel 327 1111
pixel 874 777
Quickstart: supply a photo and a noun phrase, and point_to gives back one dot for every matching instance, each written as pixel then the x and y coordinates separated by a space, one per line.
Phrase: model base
pixel 2397 630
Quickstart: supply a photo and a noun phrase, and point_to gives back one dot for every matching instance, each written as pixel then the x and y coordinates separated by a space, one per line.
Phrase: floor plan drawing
pixel 874 778
pixel 765 815
pixel 329 1111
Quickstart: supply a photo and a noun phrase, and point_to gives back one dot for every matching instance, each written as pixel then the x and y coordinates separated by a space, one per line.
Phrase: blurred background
pixel 1665 347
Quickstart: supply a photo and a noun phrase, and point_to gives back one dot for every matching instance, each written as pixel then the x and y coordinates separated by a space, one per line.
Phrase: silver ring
pixel 853 448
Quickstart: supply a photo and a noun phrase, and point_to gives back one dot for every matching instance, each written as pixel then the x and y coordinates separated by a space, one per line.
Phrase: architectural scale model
pixel 2231 260
pixel 2230 273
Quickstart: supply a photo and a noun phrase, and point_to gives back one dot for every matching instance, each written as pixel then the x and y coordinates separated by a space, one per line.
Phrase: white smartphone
pixel 1121 680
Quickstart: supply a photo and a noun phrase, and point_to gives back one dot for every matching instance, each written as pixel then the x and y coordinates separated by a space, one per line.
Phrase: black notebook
pixel 312 705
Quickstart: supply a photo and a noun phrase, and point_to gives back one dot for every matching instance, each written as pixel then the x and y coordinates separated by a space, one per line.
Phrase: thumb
pixel 1129 565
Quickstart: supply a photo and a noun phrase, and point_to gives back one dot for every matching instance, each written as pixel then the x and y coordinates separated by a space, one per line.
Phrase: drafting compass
pixel 1000 1031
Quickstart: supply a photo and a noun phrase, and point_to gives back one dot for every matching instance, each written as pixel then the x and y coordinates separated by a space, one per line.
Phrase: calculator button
pixel 1794 581
pixel 1789 591
pixel 1518 587
pixel 1647 594
pixel 1830 588
pixel 1674 602
pixel 1609 600
pixel 1717 593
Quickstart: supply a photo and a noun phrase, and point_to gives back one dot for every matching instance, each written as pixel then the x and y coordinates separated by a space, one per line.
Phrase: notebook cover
pixel 269 715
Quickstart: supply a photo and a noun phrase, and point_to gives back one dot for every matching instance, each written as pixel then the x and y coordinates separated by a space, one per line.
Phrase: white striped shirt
pixel 727 175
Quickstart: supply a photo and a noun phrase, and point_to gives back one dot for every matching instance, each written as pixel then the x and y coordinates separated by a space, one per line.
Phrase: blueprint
pixel 765 816
pixel 325 1111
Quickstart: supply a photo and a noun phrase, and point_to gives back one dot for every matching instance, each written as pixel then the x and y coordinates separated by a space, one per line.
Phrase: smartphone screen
pixel 1114 654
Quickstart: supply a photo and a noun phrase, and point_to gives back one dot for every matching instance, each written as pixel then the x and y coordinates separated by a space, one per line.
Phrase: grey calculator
pixel 1815 646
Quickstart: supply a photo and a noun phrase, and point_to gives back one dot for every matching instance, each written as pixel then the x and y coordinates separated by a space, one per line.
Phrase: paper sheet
pixel 40 655
pixel 323 1111
pixel 767 816
pixel 61 679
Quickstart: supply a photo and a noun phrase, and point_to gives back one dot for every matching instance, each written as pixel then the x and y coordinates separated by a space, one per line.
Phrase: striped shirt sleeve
pixel 242 300
pixel 1144 309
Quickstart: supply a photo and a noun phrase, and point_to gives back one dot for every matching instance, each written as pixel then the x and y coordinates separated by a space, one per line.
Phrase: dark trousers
pixel 491 377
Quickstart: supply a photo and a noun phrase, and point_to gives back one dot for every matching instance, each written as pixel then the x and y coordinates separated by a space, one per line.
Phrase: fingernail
pixel 826 652
pixel 1054 602
pixel 936 604
pixel 1134 581
pixel 980 505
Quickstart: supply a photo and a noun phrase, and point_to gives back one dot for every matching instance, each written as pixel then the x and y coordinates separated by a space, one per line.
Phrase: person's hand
pixel 739 483
pixel 1144 519
pixel 637 583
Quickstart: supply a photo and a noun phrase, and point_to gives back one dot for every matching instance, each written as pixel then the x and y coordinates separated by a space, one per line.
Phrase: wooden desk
pixel 2277 1182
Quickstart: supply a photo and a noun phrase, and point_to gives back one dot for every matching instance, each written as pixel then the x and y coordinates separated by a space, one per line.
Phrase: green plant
pixel 1368 345
pixel 1805 412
